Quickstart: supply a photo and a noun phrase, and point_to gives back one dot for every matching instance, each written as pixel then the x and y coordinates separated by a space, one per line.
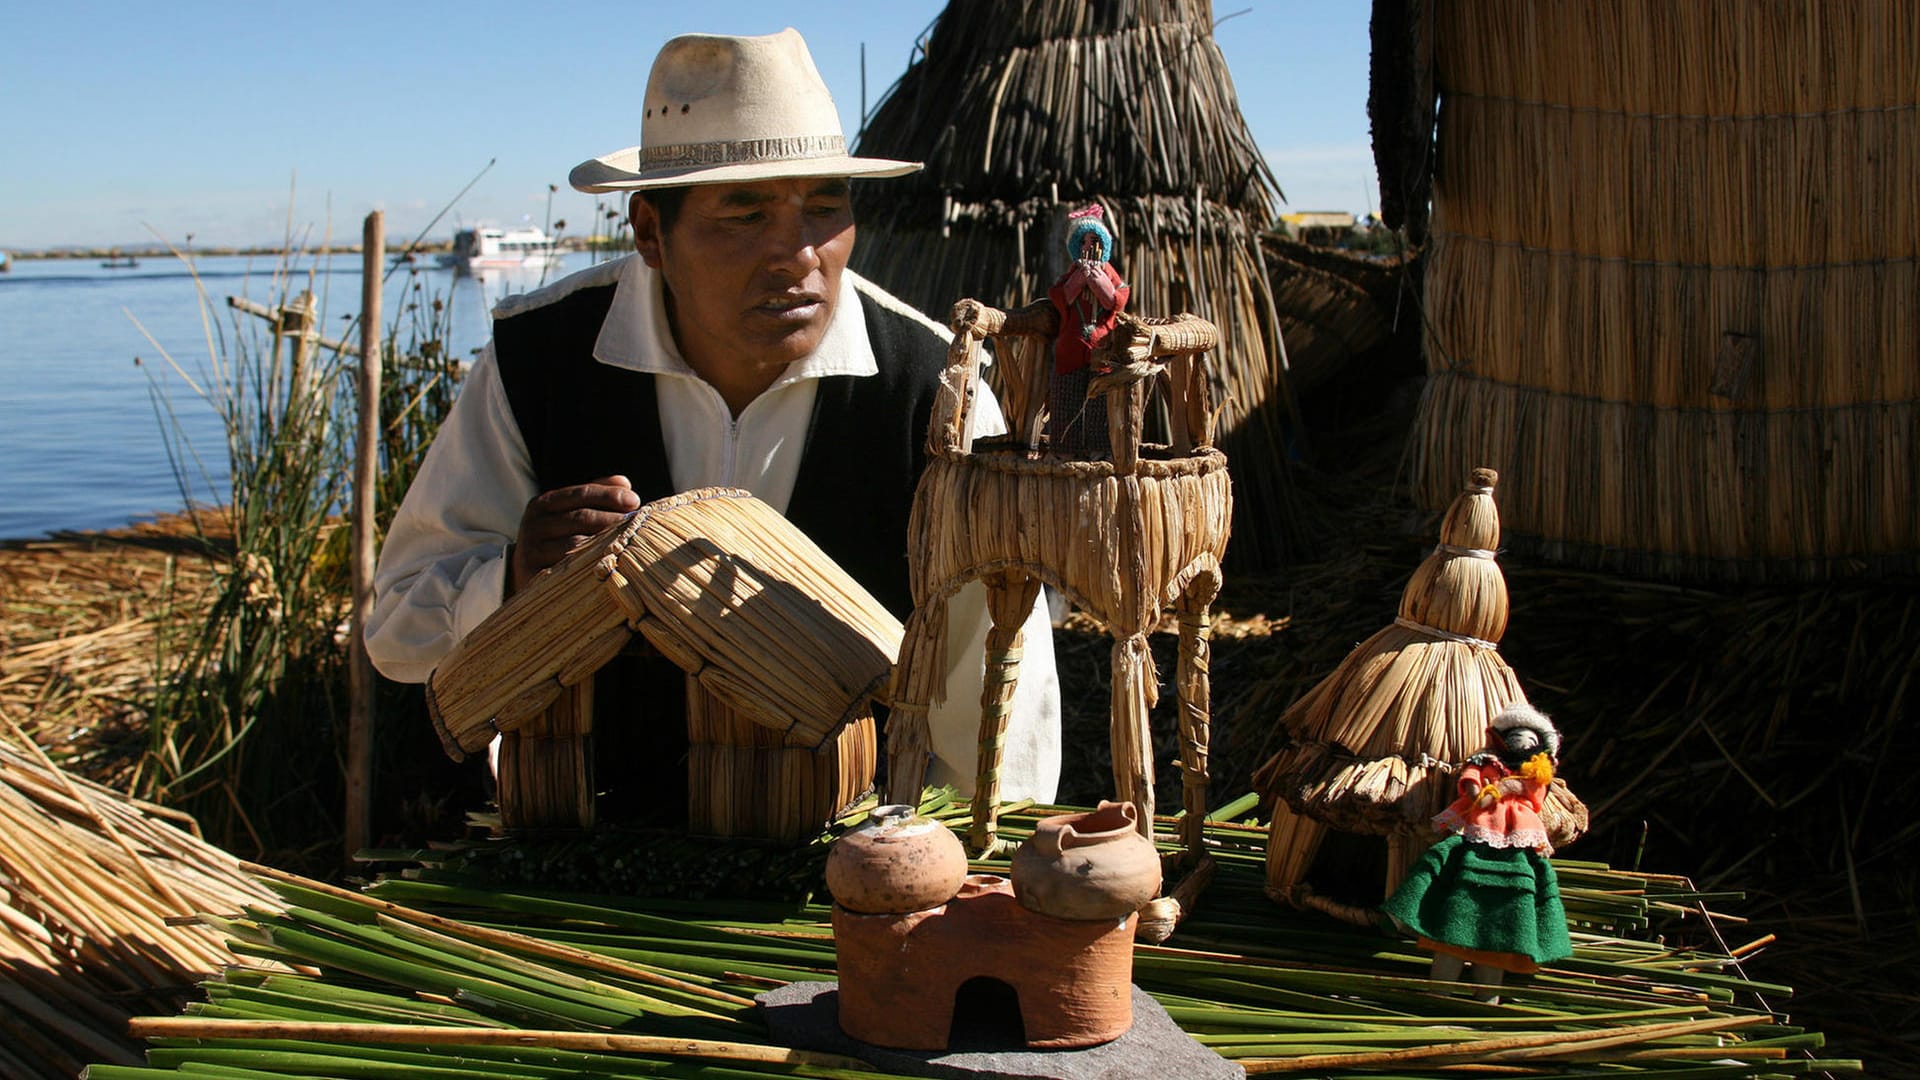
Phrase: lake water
pixel 81 442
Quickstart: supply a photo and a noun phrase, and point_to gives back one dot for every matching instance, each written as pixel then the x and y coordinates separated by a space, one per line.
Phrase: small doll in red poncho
pixel 1089 297
pixel 1486 896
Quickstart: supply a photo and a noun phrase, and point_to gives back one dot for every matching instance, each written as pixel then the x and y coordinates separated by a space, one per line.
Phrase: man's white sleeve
pixel 442 569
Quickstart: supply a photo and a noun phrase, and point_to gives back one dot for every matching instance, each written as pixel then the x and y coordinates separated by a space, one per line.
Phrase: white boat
pixel 490 248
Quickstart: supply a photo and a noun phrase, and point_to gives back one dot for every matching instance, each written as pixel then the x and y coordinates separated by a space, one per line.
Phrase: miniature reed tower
pixel 1125 537
pixel 1375 743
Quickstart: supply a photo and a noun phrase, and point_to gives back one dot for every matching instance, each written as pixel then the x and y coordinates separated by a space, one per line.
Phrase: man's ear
pixel 646 229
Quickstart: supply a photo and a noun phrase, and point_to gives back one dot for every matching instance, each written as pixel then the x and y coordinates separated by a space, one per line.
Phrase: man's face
pixel 752 270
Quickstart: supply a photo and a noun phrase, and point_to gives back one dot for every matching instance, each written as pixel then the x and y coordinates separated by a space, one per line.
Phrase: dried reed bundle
pixel 1646 58
pixel 1123 98
pixel 1375 743
pixel 1691 191
pixel 715 579
pixel 89 882
pixel 1685 301
pixel 1022 111
pixel 1654 333
pixel 81 617
pixel 1757 496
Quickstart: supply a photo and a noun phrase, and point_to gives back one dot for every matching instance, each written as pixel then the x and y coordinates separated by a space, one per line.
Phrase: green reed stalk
pixel 247 703
pixel 1277 990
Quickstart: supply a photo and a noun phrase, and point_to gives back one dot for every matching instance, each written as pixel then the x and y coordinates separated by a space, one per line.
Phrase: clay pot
pixel 895 863
pixel 1094 865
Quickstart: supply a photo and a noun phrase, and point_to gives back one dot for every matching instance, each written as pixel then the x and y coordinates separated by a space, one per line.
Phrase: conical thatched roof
pixel 1025 111
pixel 1375 743
pixel 1427 684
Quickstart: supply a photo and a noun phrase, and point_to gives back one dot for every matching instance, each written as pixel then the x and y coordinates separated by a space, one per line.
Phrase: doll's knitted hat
pixel 1088 221
pixel 1522 715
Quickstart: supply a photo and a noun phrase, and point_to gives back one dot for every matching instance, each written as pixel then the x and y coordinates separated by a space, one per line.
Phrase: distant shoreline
pixel 575 243
pixel 161 252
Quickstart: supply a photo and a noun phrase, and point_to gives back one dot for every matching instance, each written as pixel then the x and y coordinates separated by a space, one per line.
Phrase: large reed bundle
pixel 89 882
pixel 1022 111
pixel 1375 743
pixel 783 652
pixel 1673 273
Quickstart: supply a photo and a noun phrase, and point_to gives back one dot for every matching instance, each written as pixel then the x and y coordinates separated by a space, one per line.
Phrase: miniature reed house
pixel 783 655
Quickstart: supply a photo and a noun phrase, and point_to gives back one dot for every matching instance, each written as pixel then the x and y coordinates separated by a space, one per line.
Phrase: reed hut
pixel 1673 274
pixel 1022 111
pixel 783 655
pixel 1334 307
pixel 1375 744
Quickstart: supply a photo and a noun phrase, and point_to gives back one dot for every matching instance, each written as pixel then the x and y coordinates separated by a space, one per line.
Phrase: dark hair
pixel 666 203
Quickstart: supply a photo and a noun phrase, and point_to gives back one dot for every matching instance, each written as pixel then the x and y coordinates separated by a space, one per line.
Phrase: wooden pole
pixel 366 469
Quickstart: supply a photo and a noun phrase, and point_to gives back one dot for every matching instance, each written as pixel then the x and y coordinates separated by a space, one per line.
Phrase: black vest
pixel 865 447
pixel 581 419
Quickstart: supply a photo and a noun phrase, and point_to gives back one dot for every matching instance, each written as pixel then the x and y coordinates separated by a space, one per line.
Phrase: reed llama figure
pixel 1126 533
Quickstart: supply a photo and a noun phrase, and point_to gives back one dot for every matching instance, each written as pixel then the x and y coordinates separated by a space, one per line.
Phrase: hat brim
pixel 619 171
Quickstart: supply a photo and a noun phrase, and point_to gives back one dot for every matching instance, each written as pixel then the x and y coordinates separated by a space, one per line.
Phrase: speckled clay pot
pixel 897 862
pixel 1094 865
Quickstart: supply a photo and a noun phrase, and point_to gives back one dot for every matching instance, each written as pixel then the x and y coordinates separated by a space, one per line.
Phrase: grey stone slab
pixel 806 1015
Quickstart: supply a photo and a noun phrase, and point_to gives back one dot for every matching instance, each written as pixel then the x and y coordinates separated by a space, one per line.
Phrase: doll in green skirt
pixel 1485 897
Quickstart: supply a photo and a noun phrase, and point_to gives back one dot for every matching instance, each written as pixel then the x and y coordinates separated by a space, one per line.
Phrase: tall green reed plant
pixel 248 725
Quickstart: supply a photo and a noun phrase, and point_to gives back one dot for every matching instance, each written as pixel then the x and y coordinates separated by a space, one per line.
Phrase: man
pixel 734 348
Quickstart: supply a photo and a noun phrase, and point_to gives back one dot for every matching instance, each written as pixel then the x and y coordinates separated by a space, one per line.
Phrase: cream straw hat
pixel 732 110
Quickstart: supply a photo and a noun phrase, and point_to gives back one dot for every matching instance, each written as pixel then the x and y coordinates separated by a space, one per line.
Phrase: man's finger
pixel 578 521
pixel 597 496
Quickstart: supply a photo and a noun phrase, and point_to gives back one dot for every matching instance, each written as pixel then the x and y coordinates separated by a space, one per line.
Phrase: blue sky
pixel 211 118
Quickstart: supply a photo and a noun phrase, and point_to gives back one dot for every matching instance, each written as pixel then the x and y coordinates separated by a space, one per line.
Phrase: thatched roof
pixel 1024 111
pixel 720 584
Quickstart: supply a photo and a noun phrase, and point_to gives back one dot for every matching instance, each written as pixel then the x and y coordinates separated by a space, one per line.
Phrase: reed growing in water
pixel 247 727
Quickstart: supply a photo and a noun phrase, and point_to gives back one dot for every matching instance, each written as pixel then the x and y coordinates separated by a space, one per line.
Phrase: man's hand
pixel 557 521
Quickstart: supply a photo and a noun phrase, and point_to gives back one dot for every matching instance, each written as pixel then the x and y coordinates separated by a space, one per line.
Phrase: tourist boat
pixel 117 261
pixel 490 248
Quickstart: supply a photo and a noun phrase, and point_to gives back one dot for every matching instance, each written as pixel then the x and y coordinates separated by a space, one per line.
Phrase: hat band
pixel 793 148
